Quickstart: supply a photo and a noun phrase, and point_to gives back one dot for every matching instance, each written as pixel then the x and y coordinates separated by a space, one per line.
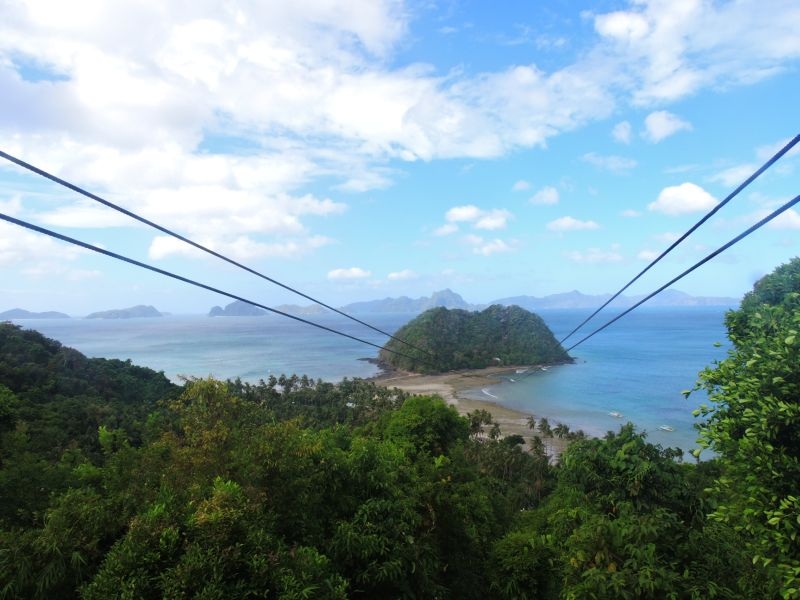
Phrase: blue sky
pixel 364 149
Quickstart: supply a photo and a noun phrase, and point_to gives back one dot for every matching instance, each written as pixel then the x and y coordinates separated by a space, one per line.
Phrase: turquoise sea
pixel 637 367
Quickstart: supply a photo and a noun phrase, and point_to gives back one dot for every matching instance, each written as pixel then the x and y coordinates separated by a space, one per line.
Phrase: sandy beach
pixel 449 386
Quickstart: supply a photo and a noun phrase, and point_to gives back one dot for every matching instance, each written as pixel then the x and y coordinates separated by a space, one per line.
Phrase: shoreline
pixel 449 386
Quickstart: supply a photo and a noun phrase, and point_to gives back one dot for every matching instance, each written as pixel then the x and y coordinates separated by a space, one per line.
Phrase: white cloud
pixel 764 153
pixel 404 275
pixel 493 219
pixel 480 219
pixel 492 247
pixel 648 255
pixel 596 256
pixel 789 220
pixel 521 186
pixel 613 163
pixel 682 199
pixel 622 132
pixel 733 176
pixel 240 248
pixel 661 124
pixel 623 26
pixel 458 214
pixel 446 229
pixel 546 195
pixel 668 50
pixel 348 274
pixel 487 247
pixel 39 256
pixel 571 224
pixel 12 207
pixel 85 214
pixel 667 237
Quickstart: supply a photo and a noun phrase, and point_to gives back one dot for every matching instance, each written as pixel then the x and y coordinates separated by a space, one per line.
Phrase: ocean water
pixel 637 367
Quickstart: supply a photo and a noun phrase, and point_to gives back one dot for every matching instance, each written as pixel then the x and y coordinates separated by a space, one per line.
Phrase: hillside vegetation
pixel 442 340
pixel 116 484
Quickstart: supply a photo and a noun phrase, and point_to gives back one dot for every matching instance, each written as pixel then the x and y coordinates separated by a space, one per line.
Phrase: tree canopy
pixel 753 423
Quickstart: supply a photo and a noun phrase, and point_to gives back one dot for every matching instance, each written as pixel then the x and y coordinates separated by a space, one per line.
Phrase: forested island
pixel 134 312
pixel 442 339
pixel 116 483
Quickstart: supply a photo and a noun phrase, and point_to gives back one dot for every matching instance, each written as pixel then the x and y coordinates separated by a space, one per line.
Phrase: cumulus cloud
pixel 789 220
pixel 733 176
pixel 487 247
pixel 612 162
pixel 446 229
pixel 457 214
pixel 571 224
pixel 546 195
pixel 661 124
pixel 622 132
pixel 682 199
pixel 350 273
pixel 39 256
pixel 11 207
pixel 648 255
pixel 479 218
pixel 493 219
pixel 521 186
pixel 492 247
pixel 404 275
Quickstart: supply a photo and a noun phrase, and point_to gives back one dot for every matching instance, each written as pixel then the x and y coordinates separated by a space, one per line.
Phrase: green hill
pixel 460 339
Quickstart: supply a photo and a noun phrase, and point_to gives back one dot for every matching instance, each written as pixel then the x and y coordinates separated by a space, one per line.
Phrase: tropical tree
pixel 753 424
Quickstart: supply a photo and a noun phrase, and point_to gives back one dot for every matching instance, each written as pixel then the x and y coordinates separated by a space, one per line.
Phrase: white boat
pixel 666 428
pixel 520 371
pixel 615 414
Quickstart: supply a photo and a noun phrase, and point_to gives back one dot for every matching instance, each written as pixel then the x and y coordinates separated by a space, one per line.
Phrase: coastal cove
pixel 638 367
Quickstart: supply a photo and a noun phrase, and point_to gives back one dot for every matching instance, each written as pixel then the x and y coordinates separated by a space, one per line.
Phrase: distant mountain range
pixel 405 305
pixel 574 299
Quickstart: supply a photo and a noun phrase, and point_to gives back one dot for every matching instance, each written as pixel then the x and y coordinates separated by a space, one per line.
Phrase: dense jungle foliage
pixel 115 483
pixel 441 340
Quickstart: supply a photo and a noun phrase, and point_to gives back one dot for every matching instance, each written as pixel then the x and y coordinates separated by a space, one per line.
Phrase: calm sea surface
pixel 637 367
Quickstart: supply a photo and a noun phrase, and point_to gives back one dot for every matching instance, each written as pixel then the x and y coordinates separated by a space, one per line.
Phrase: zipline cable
pixel 186 240
pixel 137 263
pixel 738 238
pixel 711 213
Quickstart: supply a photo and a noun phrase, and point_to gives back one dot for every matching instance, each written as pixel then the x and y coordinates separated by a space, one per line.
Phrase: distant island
pixel 237 308
pixel 133 312
pixel 19 313
pixel 442 339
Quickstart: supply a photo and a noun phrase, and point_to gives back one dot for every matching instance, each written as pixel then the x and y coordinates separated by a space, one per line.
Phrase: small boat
pixel 666 428
pixel 512 380
pixel 615 414
pixel 520 371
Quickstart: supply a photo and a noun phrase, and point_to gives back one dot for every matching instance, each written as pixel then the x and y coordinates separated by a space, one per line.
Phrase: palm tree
pixel 561 430
pixel 544 427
